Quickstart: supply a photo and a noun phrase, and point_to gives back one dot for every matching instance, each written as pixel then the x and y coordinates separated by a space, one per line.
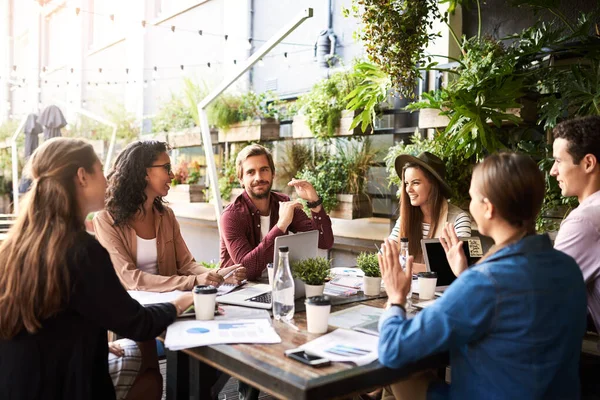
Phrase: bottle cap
pixel 404 240
pixel 284 249
pixel 205 289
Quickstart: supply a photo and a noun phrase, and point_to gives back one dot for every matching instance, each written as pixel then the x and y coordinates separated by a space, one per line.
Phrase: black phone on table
pixel 308 359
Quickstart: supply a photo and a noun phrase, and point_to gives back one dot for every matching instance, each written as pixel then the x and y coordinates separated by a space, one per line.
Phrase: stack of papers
pixel 187 334
pixel 145 298
pixel 344 346
pixel 351 317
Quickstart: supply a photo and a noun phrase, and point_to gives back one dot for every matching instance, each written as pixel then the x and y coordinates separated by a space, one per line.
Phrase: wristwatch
pixel 398 305
pixel 313 204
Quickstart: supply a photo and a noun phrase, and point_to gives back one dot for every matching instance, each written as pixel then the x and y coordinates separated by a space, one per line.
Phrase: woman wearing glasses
pixel 141 233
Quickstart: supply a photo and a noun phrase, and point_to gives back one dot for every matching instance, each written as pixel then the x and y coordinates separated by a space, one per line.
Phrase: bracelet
pixel 313 204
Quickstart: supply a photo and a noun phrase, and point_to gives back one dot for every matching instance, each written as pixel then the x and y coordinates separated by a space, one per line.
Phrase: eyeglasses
pixel 166 166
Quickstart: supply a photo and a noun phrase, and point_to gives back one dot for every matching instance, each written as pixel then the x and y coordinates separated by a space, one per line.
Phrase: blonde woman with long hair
pixel 59 293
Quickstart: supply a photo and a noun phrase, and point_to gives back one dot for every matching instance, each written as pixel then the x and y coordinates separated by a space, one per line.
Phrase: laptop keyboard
pixel 261 298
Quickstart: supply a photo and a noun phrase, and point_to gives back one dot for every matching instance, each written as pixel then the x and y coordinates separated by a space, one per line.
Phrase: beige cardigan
pixel 177 268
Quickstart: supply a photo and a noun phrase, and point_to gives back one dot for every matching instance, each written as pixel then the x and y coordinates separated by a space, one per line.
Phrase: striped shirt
pixel 462 227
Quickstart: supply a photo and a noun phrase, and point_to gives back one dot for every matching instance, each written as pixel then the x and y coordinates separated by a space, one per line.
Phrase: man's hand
pixel 237 277
pixel 454 250
pixel 397 281
pixel 305 191
pixel 116 349
pixel 286 213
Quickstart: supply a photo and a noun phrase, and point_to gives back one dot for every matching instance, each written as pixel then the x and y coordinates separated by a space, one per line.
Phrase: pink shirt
pixel 579 237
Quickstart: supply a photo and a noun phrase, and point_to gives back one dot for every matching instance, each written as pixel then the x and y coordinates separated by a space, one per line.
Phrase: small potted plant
pixel 313 272
pixel 372 280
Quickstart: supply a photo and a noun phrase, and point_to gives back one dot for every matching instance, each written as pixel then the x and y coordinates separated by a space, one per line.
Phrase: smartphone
pixel 308 359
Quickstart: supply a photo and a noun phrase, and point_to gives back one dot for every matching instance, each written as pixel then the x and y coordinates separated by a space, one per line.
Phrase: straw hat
pixel 431 163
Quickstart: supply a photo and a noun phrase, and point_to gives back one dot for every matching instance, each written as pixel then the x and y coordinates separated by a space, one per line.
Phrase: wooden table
pixel 266 367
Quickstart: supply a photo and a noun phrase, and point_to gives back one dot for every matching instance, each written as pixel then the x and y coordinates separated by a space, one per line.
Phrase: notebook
pixel 436 261
pixel 301 246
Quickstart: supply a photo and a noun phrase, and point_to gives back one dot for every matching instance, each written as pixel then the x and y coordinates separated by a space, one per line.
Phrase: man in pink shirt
pixel 576 152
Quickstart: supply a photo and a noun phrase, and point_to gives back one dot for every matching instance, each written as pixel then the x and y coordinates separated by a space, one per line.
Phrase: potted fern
pixel 372 280
pixel 313 272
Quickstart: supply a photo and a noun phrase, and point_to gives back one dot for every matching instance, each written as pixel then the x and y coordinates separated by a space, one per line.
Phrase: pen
pixel 229 274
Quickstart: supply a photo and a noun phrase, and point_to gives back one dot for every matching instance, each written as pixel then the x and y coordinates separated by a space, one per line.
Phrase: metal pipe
pixel 202 106
pixel 15 165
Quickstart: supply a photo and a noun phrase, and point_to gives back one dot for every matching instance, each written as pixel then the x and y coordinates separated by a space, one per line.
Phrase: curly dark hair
pixel 583 135
pixel 127 180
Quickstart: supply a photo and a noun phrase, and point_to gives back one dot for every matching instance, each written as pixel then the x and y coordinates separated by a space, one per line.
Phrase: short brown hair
pixel 583 135
pixel 514 184
pixel 251 151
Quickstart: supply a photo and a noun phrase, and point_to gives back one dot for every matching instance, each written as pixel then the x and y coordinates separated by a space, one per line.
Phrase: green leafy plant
pixel 370 91
pixel 369 264
pixel 312 271
pixel 296 157
pixel 212 264
pixel 395 35
pixel 343 170
pixel 324 104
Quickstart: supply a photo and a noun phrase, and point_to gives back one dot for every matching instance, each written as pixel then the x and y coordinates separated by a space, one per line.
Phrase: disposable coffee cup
pixel 270 272
pixel 204 302
pixel 317 313
pixel 427 284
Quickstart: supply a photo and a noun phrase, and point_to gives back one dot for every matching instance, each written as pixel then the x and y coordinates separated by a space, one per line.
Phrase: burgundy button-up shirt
pixel 240 233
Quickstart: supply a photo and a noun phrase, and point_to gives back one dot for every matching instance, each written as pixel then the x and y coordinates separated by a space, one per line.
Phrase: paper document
pixel 353 316
pixel 352 282
pixel 236 312
pixel 338 291
pixel 145 298
pixel 186 334
pixel 345 346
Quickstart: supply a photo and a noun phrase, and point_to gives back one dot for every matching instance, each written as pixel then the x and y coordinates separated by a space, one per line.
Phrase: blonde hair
pixel 34 279
pixel 251 151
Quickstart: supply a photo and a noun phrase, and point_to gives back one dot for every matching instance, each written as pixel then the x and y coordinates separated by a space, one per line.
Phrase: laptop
pixel 301 245
pixel 436 261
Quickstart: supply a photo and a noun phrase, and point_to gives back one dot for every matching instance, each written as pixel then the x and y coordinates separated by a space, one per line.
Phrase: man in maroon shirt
pixel 251 223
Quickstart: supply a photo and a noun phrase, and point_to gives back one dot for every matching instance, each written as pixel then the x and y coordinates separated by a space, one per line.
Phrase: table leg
pixel 178 375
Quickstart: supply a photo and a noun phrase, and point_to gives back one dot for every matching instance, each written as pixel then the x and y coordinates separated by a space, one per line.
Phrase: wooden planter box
pixel 189 137
pixel 352 206
pixel 301 130
pixel 184 193
pixel 431 118
pixel 257 130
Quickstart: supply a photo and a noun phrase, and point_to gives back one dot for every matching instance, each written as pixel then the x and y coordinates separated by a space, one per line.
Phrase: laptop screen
pixel 435 257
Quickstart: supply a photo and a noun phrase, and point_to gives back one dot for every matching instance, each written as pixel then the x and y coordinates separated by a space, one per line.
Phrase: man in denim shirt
pixel 513 323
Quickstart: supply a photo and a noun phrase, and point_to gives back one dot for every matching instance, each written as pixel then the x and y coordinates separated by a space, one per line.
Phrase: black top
pixel 68 357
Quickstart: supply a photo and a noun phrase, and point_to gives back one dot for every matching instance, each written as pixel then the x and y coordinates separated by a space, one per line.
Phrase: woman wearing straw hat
pixel 424 206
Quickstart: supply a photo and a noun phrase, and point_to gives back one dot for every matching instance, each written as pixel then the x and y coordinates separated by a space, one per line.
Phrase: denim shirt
pixel 513 326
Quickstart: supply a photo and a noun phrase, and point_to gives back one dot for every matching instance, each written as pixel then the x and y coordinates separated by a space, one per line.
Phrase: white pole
pixel 203 105
pixel 15 165
pixel 111 148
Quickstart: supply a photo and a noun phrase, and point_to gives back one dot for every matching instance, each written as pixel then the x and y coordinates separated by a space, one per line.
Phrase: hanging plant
pixel 395 34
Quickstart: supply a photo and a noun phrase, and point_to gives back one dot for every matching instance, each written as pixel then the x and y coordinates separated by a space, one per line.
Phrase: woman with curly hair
pixel 141 233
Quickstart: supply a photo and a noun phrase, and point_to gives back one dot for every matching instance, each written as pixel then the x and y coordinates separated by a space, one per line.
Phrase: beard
pixel 260 195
